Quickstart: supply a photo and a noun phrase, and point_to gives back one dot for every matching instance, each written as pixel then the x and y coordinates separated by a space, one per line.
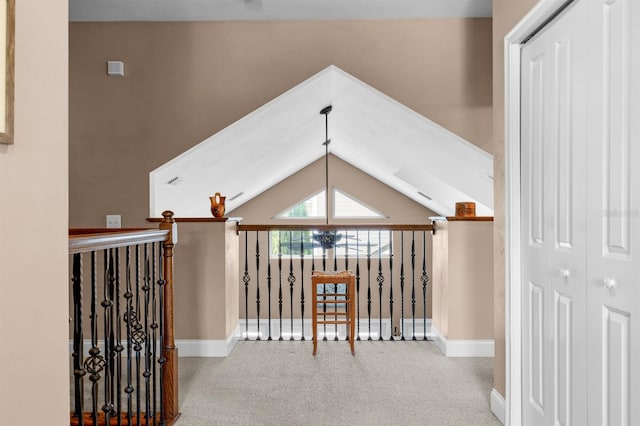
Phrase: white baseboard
pixel 188 348
pixel 462 348
pixel 208 348
pixel 498 406
pixel 250 328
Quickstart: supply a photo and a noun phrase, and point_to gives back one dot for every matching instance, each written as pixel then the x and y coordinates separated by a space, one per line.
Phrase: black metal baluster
pixel 369 282
pixel 280 281
pixel 94 364
pixel 358 284
pixel 402 285
pixel 324 288
pixel 258 283
pixel 269 281
pixel 78 367
pixel 246 279
pixel 118 348
pixel 335 286
pixel 139 337
pixel 346 268
pixel 292 280
pixel 147 346
pixel 154 331
pixel 128 296
pixel 301 285
pixel 424 279
pixel 380 280
pixel 107 304
pixel 413 282
pixel 390 285
pixel 161 359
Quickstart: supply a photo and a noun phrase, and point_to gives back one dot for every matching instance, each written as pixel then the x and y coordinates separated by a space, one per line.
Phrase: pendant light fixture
pixel 326 239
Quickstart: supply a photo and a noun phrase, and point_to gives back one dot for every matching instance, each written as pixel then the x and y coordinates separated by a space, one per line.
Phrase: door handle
pixel 609 283
pixel 565 273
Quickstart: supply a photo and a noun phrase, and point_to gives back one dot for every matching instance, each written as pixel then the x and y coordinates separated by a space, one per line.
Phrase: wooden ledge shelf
pixel 194 219
pixel 470 219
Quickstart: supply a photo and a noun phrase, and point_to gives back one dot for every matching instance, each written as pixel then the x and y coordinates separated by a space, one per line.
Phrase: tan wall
pixel 206 280
pixel 470 280
pixel 33 204
pixel 398 208
pixel 187 80
pixel 463 280
pixel 506 13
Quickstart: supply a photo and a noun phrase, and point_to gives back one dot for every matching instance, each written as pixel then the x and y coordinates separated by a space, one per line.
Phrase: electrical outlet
pixel 114 221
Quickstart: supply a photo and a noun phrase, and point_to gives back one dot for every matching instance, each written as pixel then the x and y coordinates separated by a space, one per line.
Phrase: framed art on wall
pixel 7 43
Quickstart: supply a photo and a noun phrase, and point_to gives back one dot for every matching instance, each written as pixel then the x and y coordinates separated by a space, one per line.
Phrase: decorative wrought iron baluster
pixel 346 268
pixel 358 284
pixel 139 337
pixel 269 282
pixel 147 347
pixel 258 284
pixel 424 279
pixel 335 286
pixel 324 288
pixel 280 281
pixel 107 304
pixel 402 285
pixel 390 285
pixel 369 282
pixel 118 347
pixel 128 296
pixel 95 363
pixel 413 282
pixel 246 279
pixel 161 359
pixel 78 367
pixel 301 286
pixel 154 330
pixel 292 280
pixel 380 280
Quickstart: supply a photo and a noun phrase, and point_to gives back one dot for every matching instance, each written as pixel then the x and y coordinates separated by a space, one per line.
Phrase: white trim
pixel 462 348
pixel 498 405
pixel 364 329
pixel 532 22
pixel 186 348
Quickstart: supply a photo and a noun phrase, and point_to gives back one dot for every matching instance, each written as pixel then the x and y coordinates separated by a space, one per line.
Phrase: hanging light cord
pixel 326 110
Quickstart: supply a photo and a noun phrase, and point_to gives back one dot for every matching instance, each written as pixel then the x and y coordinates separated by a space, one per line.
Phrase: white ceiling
pixel 368 129
pixel 221 10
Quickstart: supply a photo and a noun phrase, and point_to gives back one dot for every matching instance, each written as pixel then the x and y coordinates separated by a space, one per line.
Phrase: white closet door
pixel 614 205
pixel 553 217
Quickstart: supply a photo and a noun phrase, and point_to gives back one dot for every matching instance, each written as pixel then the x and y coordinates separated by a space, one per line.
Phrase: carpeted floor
pixel 385 383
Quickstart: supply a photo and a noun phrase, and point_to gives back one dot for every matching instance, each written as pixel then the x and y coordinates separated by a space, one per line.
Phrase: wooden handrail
pixel 310 227
pixel 85 240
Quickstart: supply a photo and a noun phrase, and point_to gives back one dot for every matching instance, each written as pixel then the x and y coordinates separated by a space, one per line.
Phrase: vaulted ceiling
pixel 218 10
pixel 368 129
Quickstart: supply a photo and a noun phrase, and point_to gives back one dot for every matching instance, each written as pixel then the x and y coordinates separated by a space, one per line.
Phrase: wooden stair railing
pixel 147 282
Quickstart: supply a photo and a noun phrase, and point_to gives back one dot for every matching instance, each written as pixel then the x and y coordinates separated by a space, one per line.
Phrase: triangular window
pixel 347 206
pixel 312 207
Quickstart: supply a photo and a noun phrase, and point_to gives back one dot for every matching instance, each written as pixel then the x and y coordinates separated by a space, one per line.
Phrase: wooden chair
pixel 334 294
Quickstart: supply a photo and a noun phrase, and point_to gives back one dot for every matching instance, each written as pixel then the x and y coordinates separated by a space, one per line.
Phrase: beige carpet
pixel 385 383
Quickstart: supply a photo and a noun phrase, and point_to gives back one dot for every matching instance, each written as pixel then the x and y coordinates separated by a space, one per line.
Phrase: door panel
pixel 553 196
pixel 614 181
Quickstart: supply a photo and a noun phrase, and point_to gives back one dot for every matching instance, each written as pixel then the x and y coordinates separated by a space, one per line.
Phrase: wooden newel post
pixel 169 390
